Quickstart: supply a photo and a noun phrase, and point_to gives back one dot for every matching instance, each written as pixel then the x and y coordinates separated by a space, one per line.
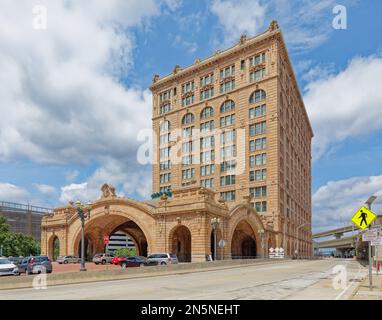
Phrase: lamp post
pixel 215 224
pixel 83 212
pixel 369 202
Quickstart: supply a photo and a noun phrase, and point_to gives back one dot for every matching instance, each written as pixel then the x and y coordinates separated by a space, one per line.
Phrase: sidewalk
pixel 363 292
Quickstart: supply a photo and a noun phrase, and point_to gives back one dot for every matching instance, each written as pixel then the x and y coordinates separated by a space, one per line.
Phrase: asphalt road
pixel 291 280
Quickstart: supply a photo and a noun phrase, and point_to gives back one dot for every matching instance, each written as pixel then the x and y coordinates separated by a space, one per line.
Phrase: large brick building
pixel 232 140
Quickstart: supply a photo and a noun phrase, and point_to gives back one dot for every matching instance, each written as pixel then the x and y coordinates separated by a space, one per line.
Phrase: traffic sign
pixel 370 235
pixel 222 243
pixel 363 217
pixel 106 240
pixel 377 242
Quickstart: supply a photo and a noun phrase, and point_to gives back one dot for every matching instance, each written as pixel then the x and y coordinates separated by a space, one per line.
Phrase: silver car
pixel 68 259
pixel 102 258
pixel 163 259
pixel 7 268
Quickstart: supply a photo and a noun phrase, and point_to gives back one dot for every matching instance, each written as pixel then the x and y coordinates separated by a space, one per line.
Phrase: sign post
pixel 106 242
pixel 363 219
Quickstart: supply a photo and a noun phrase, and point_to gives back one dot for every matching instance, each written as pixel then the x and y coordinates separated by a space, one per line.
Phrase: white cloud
pixel 239 17
pixel 12 193
pixel 336 202
pixel 305 23
pixel 45 189
pixel 61 99
pixel 71 175
pixel 346 104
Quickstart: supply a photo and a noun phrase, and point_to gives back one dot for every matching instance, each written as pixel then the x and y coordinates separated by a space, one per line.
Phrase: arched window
pixel 165 126
pixel 258 95
pixel 188 119
pixel 227 106
pixel 207 112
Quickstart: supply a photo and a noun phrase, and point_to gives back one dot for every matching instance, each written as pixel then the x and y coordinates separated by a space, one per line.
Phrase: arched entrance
pixel 180 243
pixel 54 248
pixel 106 225
pixel 243 244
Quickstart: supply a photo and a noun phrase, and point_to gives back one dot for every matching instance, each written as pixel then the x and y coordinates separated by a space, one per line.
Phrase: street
pixel 290 280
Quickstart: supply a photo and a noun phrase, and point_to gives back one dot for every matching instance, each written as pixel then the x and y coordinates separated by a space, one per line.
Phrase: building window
pixel 188 174
pixel 257 128
pixel 164 153
pixel 227 166
pixel 164 96
pixel 228 137
pixel 227 72
pixel 188 87
pixel 228 152
pixel 227 180
pixel 227 106
pixel 188 160
pixel 258 111
pixel 188 132
pixel 186 101
pixel 165 178
pixel 165 126
pixel 164 138
pixel 258 175
pixel 257 59
pixel 189 118
pixel 227 120
pixel 261 206
pixel 207 142
pixel 207 170
pixel 207 183
pixel 206 94
pixel 208 112
pixel 227 86
pixel 207 126
pixel 164 189
pixel 258 144
pixel 258 192
pixel 165 165
pixel 257 75
pixel 242 64
pixel 206 80
pixel 207 157
pixel 228 195
pixel 187 147
pixel 257 96
pixel 258 160
pixel 165 108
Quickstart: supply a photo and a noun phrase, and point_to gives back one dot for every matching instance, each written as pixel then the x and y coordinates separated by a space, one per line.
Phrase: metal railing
pixel 18 207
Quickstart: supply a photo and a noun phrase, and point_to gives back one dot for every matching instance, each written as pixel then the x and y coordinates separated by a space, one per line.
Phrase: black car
pixel 135 262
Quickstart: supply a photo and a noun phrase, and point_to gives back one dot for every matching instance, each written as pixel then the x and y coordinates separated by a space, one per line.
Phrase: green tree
pixel 16 244
pixel 125 252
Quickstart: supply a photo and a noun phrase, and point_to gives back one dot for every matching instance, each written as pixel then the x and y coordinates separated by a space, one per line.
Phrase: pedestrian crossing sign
pixel 363 217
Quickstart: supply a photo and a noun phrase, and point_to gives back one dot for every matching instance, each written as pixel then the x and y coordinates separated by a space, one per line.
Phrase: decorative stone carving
pixel 108 191
pixel 243 38
pixel 155 78
pixel 273 26
pixel 177 68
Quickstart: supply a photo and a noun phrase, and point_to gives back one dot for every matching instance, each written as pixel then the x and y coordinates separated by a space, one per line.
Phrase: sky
pixel 74 90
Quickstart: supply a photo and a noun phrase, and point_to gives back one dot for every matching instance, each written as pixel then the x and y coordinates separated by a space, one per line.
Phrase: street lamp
pixel 215 224
pixel 369 202
pixel 83 212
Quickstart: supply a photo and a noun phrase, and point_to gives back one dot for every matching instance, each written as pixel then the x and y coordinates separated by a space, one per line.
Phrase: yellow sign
pixel 363 217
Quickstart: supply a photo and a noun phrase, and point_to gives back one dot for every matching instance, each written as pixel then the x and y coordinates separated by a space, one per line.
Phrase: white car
pixel 7 268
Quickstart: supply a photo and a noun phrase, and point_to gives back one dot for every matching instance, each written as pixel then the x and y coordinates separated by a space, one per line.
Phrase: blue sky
pixel 74 94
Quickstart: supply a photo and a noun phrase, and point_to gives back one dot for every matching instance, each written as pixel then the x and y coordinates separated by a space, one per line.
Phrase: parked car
pixel 36 264
pixel 136 262
pixel 163 258
pixel 68 259
pixel 15 260
pixel 7 268
pixel 103 258
pixel 116 260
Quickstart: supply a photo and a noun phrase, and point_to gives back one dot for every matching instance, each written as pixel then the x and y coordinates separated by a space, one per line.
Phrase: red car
pixel 117 260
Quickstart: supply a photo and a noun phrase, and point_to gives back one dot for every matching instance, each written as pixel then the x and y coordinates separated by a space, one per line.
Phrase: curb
pixel 125 274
